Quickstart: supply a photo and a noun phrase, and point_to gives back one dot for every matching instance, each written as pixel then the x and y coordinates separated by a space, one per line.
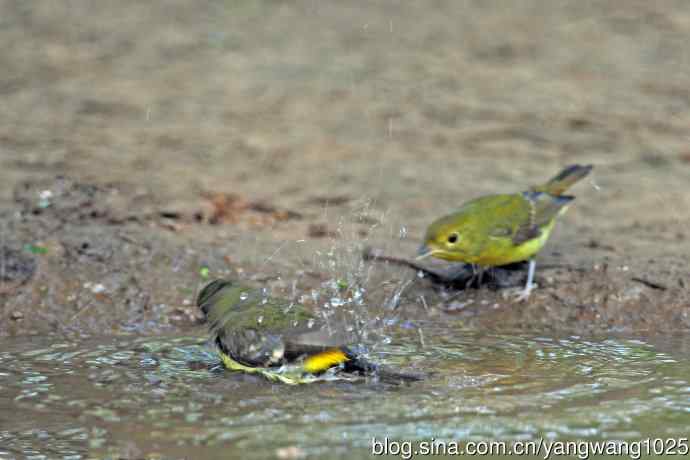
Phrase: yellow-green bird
pixel 279 339
pixel 497 230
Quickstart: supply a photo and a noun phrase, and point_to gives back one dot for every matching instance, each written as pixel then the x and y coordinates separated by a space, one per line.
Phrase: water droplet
pixel 403 232
pixel 337 301
pixel 310 323
pixel 96 288
pixel 44 198
pixel 244 296
pixel 259 319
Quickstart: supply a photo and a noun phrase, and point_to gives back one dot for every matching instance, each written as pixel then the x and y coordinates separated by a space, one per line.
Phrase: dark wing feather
pixel 543 209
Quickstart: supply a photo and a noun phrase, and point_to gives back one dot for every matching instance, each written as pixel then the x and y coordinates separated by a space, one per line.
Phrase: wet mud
pixel 141 156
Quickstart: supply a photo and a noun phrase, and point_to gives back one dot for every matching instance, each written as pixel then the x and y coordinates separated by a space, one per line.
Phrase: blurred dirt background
pixel 146 146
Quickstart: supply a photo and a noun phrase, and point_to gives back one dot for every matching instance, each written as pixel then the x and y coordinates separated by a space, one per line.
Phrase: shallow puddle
pixel 166 397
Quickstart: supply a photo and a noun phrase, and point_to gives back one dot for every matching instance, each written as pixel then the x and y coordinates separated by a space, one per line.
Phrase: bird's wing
pixel 503 216
pixel 542 209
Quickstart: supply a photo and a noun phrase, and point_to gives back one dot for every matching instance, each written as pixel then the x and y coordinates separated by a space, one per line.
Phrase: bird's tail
pixel 564 180
pixel 365 367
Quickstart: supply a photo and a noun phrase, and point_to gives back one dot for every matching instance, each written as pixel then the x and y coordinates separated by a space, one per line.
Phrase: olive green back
pixel 233 305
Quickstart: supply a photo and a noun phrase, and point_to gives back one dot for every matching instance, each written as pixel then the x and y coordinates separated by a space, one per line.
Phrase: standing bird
pixel 497 230
pixel 279 339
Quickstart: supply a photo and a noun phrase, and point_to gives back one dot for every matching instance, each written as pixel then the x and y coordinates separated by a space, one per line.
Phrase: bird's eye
pixel 453 238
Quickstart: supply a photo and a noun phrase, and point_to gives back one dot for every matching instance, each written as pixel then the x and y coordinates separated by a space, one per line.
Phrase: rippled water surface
pixel 166 397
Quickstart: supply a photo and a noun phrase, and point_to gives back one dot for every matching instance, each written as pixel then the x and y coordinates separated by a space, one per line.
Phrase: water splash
pixel 83 397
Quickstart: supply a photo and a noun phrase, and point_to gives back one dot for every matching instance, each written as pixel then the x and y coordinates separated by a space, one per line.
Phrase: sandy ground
pixel 277 139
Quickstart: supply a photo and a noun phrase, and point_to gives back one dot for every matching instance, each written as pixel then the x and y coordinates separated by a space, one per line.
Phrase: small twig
pixel 378 256
pixel 463 276
pixel 543 267
pixel 460 276
pixel 650 284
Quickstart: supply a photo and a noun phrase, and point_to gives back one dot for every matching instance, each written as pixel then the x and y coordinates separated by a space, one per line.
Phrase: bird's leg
pixel 473 277
pixel 524 294
pixel 481 277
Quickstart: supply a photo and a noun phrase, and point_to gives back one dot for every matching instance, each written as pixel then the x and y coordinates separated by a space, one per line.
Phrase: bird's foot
pixel 524 294
pixel 521 295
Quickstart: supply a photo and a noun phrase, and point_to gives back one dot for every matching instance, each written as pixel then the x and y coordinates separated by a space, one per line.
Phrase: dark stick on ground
pixel 376 255
pixel 650 284
pixel 458 276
